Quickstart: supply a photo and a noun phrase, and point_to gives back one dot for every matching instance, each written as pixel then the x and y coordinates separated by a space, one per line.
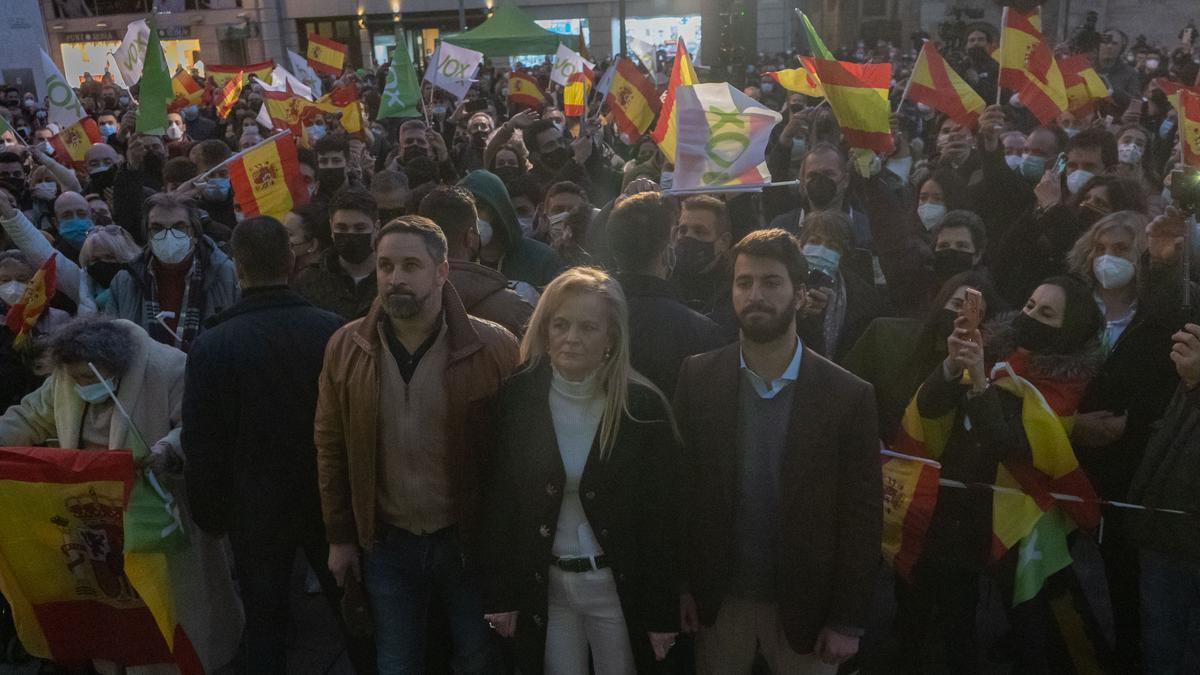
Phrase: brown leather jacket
pixel 482 355
pixel 486 294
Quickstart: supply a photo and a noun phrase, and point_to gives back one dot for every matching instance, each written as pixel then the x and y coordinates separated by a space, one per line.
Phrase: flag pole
pixel 911 74
pixel 1000 49
pixel 192 181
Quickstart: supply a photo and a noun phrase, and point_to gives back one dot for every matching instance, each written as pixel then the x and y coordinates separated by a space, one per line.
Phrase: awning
pixel 509 32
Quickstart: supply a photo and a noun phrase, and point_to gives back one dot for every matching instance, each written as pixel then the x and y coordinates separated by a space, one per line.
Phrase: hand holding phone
pixel 972 310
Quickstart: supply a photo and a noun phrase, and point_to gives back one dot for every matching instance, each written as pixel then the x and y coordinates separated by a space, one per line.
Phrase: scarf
pixel 191 311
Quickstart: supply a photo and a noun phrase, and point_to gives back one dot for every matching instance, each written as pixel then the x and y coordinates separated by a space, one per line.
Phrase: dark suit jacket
pixel 831 502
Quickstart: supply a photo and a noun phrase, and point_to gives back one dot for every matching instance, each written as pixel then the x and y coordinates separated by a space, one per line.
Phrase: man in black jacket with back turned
pixel 249 402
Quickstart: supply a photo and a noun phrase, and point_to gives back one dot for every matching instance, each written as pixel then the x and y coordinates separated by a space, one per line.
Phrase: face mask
pixel 508 173
pixel 1151 64
pixel 331 178
pixel 152 163
pixel 174 132
pixel 822 257
pixel 559 125
pixel 191 112
pixel 526 223
pixel 315 133
pixel 924 110
pixel 45 190
pixel 217 189
pixel 1164 129
pixel 1129 153
pixel 799 147
pixel 931 214
pixel 1077 179
pixel 124 100
pixel 30 103
pixel 1034 335
pixel 103 271
pixel 24 131
pixel 95 392
pixel 948 262
pixel 1013 161
pixel 485 231
pixel 107 130
pixel 1112 271
pixel 74 230
pixel 1071 131
pixel 821 190
pixel 1033 167
pixel 693 256
pixel 353 247
pixel 170 246
pixel 11 292
pixel 46 148
pixel 556 158
pixel 101 219
pixel 412 152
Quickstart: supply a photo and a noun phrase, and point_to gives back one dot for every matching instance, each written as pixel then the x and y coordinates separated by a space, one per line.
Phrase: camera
pixel 1185 189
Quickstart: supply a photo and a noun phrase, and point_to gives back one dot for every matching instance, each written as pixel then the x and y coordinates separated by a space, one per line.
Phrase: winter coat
pixel 69 278
pixel 488 295
pixel 327 286
pixel 525 259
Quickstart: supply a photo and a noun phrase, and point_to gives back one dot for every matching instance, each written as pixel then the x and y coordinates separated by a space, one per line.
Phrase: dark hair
pixel 825 146
pixel 426 229
pixel 353 198
pixel 307 156
pixel 1090 139
pixel 1060 136
pixel 567 187
pixel 639 230
pixel 974 278
pixel 334 143
pixel 314 220
pixel 1124 194
pixel 210 153
pixel 831 226
pixel 93 339
pixel 1082 320
pixel 260 246
pixel 968 219
pixel 451 208
pixel 533 130
pixel 954 188
pixel 775 244
pixel 712 205
pixel 171 200
pixel 8 157
pixel 178 170
pixel 525 186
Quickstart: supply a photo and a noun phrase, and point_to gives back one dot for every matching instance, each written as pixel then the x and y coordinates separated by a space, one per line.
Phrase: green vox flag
pixel 815 45
pixel 154 88
pixel 402 94
pixel 1041 553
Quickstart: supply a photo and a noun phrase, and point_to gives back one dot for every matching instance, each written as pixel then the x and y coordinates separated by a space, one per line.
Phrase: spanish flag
pixel 64 569
pixel 187 91
pixel 229 95
pixel 523 91
pixel 73 142
pixel 325 55
pixel 24 315
pixel 1189 126
pixel 935 84
pixel 910 490
pixel 682 75
pixel 632 100
pixel 266 178
pixel 220 74
pixel 858 95
pixel 285 109
pixel 1172 90
pixel 800 80
pixel 1084 86
pixel 576 92
pixel 344 101
pixel 1027 66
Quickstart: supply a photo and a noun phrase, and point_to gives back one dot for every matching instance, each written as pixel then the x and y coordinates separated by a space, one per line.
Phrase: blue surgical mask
pixel 822 257
pixel 191 112
pixel 107 130
pixel 74 230
pixel 1164 129
pixel 1033 167
pixel 217 189
pixel 95 392
pixel 315 132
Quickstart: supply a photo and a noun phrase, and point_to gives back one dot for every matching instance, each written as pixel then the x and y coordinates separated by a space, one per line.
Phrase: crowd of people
pixel 518 406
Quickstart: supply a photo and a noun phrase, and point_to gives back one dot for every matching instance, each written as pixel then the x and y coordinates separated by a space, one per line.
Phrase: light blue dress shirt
pixel 766 389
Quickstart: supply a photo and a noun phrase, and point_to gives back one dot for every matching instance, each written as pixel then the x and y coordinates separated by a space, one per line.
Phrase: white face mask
pixel 1112 271
pixel 901 167
pixel 526 223
pixel 45 190
pixel 931 214
pixel 1077 179
pixel 174 133
pixel 170 246
pixel 11 292
pixel 1129 153
pixel 1013 161
pixel 485 231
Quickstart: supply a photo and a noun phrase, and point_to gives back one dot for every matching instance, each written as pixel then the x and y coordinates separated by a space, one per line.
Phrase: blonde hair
pixel 617 374
pixel 1079 259
pixel 112 239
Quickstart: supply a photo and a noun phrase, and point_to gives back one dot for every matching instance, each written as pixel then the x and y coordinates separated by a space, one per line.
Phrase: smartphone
pixel 972 309
pixel 1060 166
pixel 475 105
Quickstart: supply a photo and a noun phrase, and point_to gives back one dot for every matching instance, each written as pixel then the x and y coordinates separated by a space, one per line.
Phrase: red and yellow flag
pixel 343 100
pixel 72 143
pixel 910 490
pixel 229 95
pixel 523 91
pixel 800 80
pixel 632 100
pixel 1189 126
pixel 858 95
pixel 576 92
pixel 220 74
pixel 187 91
pixel 682 75
pixel 64 570
pixel 1027 66
pixel 935 84
pixel 325 55
pixel 1171 89
pixel 285 109
pixel 1083 83
pixel 24 315
pixel 266 179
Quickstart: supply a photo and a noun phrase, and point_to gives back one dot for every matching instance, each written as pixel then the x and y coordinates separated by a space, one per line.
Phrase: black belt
pixel 581 564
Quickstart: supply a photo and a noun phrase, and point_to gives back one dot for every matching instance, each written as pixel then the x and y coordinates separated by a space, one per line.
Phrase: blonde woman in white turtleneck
pixel 580 512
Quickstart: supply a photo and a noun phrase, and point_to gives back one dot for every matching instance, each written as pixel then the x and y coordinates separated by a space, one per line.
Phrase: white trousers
pixel 586 612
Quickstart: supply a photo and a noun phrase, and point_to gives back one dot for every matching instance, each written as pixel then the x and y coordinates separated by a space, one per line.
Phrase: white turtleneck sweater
pixel 576 408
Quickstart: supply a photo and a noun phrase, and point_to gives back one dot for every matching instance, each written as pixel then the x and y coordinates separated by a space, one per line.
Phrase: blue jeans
pixel 402 575
pixel 1170 595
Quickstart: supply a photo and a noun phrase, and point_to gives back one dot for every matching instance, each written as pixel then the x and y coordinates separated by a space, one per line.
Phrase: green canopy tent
pixel 509 32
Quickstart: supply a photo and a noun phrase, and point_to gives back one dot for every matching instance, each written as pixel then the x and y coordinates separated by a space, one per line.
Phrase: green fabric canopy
pixel 509 32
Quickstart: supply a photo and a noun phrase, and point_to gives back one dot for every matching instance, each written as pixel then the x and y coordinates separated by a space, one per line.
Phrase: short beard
pixel 772 329
pixel 403 306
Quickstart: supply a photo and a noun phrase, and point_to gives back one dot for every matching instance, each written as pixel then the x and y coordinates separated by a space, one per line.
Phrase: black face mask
pixel 977 55
pixel 353 247
pixel 102 180
pixel 152 164
pixel 948 262
pixel 821 190
pixel 693 257
pixel 1088 216
pixel 412 152
pixel 1034 335
pixel 943 324
pixel 103 271
pixel 102 220
pixel 479 139
pixel 555 159
pixel 331 178
pixel 796 108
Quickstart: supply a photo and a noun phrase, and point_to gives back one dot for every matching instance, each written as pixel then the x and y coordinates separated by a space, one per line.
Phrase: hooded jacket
pixel 488 295
pixel 525 259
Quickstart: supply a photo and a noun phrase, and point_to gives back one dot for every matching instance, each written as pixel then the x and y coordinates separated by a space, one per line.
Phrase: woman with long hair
pixel 582 478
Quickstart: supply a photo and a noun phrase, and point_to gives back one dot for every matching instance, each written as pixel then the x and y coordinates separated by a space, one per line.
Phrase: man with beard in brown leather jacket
pixel 485 292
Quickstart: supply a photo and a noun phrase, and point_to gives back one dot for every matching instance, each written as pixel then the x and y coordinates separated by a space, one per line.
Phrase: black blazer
pixel 831 505
pixel 630 500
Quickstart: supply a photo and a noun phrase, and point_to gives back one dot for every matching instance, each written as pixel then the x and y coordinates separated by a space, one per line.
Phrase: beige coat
pixel 206 601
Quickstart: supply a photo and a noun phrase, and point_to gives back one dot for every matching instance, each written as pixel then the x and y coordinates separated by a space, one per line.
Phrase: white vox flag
pixel 722 139
pixel 645 53
pixel 305 73
pixel 453 69
pixel 282 80
pixel 131 55
pixel 65 109
pixel 566 63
